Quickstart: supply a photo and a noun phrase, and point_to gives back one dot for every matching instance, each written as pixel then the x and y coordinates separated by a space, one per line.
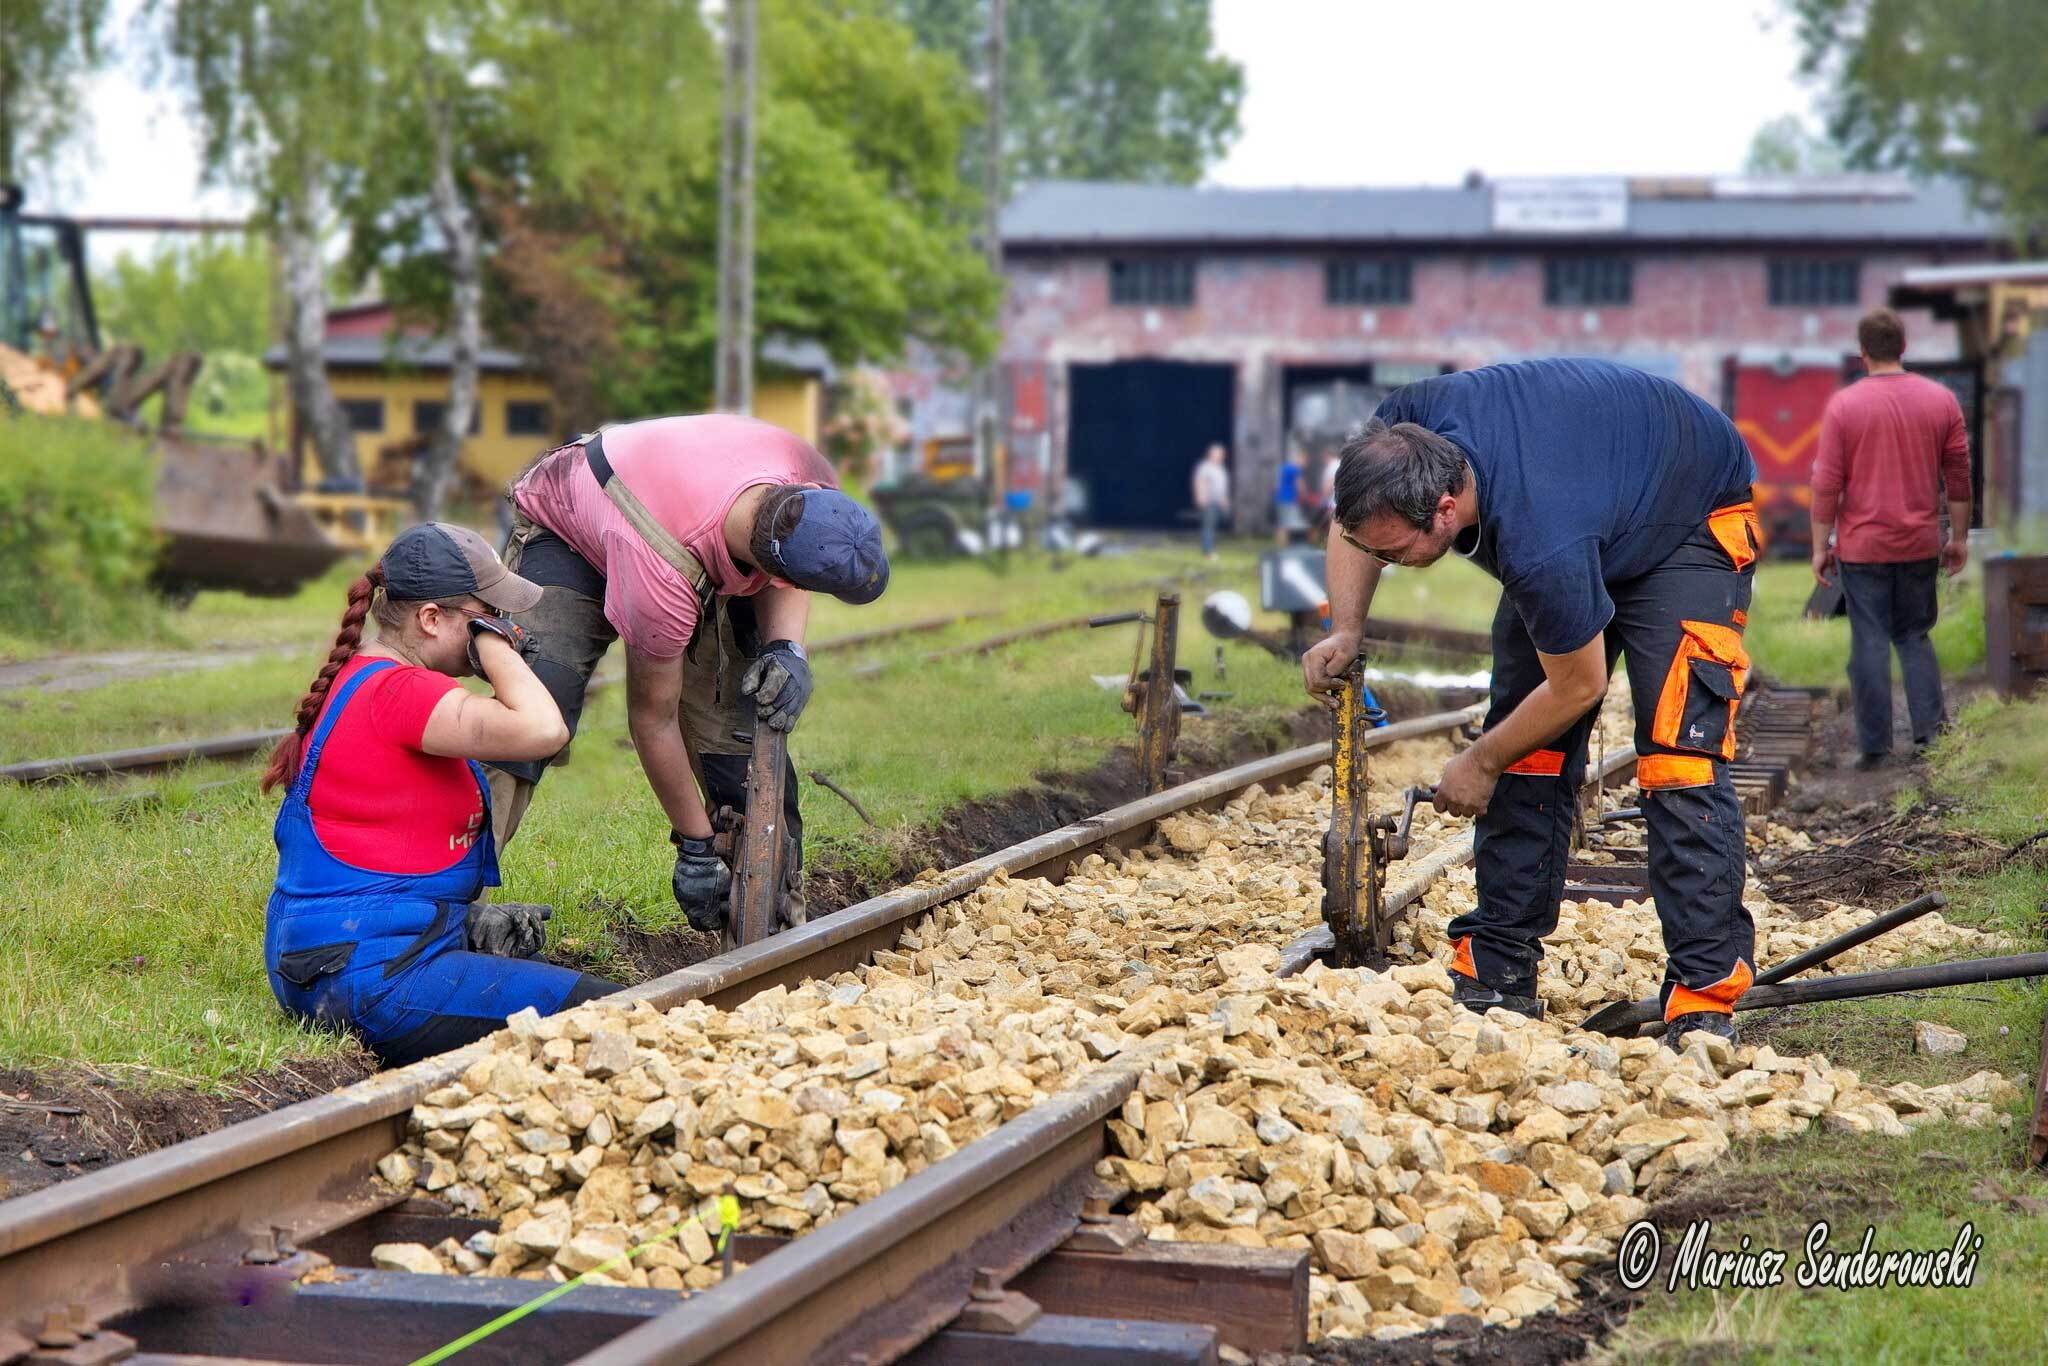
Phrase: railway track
pixel 144 758
pixel 1008 1251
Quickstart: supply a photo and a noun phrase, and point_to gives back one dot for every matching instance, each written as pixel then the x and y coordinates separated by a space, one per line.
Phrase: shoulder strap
pixel 659 538
pixel 330 714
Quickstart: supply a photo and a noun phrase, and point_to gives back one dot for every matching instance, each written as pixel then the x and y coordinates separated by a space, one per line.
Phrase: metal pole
pixel 988 397
pixel 1862 934
pixel 1849 986
pixel 735 356
pixel 757 880
pixel 1161 726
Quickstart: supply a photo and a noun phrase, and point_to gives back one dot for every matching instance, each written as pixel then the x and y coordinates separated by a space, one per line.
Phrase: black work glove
pixel 703 884
pixel 508 929
pixel 517 636
pixel 780 683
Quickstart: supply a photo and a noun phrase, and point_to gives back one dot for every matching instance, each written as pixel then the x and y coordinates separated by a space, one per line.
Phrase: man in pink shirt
pixel 1890 446
pixel 698 541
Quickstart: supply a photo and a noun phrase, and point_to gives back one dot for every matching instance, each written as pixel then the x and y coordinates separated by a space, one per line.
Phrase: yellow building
pixel 393 387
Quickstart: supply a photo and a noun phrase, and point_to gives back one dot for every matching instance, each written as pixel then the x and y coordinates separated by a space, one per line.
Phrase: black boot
pixel 1479 998
pixel 1713 1022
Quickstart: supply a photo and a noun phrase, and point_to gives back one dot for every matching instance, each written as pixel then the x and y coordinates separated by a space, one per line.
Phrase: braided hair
pixel 284 760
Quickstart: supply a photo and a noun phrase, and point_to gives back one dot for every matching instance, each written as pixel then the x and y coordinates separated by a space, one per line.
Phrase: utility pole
pixel 988 383
pixel 735 367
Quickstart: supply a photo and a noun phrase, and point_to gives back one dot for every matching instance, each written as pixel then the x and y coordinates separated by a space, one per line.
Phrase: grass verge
pixel 1802 653
pixel 1917 1192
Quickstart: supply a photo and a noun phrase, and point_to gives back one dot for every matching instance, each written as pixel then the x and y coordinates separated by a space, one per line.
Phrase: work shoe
pixel 1479 998
pixel 1866 762
pixel 1711 1021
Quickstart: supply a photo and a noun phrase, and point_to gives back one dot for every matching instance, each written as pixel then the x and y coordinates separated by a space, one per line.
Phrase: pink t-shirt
pixel 688 471
pixel 1891 445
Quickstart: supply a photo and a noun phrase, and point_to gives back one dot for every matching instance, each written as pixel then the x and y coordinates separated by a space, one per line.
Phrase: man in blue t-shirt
pixel 1614 508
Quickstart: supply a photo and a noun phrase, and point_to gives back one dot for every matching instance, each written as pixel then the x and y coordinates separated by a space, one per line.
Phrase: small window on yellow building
pixel 427 415
pixel 526 418
pixel 364 414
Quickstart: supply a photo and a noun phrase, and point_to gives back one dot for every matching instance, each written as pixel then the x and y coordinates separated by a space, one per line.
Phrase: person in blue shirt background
pixel 1614 508
pixel 1288 518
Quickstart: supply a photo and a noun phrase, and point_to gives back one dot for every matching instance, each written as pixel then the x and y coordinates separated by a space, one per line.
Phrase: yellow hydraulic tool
pixel 1351 874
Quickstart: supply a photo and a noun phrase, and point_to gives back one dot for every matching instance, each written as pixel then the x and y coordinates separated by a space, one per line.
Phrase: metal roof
pixel 424 353
pixel 404 353
pixel 1697 209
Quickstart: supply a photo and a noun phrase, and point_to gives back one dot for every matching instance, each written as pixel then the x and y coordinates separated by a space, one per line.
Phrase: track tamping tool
pixel 1359 846
pixel 756 846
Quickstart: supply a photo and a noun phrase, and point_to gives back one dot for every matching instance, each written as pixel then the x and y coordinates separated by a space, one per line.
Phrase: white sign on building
pixel 1567 206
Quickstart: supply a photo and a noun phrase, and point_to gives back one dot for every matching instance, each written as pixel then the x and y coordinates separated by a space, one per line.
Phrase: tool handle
pixel 1845 987
pixel 1116 619
pixel 1862 934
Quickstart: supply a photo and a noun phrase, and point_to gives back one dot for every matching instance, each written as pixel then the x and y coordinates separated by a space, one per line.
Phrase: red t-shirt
pixel 379 801
pixel 1891 445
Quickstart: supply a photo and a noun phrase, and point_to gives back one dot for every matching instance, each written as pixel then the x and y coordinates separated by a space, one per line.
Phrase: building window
pixel 364 414
pixel 523 418
pixel 428 413
pixel 1806 283
pixel 1579 281
pixel 1163 281
pixel 1367 280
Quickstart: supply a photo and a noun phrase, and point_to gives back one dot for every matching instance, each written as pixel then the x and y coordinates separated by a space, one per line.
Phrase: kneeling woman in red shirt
pixel 384 839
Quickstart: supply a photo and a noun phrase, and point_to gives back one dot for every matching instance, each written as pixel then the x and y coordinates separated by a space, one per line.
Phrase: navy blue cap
pixel 442 560
pixel 836 548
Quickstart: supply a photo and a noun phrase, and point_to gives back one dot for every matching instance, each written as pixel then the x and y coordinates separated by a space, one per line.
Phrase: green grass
pixel 1803 653
pixel 130 920
pixel 1920 1190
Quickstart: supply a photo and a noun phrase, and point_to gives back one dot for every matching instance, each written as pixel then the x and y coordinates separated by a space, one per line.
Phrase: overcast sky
pixel 1338 92
pixel 1408 92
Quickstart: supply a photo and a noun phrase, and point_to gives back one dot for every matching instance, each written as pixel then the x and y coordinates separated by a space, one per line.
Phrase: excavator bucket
pixel 227 521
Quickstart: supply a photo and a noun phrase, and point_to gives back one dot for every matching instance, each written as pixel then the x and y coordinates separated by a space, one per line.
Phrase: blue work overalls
pixel 386 954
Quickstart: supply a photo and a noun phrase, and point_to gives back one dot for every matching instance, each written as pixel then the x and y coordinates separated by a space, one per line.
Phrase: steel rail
pixel 879 1280
pixel 181 1219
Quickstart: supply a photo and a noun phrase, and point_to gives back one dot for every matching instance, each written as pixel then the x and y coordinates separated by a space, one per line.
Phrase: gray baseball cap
pixel 441 560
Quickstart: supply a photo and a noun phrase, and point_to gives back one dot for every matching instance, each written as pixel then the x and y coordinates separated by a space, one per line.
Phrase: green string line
pixel 728 1223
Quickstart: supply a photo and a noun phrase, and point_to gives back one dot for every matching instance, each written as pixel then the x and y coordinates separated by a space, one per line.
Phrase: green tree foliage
pixel 595 166
pixel 46 48
pixel 208 295
pixel 1130 90
pixel 1786 146
pixel 1957 88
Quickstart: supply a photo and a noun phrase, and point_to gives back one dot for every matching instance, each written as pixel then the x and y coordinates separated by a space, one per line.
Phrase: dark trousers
pixel 1893 607
pixel 1211 516
pixel 573 634
pixel 1680 628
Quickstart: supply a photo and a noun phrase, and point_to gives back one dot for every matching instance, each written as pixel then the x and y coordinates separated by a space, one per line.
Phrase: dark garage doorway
pixel 1136 431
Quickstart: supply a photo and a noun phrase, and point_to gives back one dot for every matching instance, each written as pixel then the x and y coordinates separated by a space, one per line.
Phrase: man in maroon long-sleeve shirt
pixel 1890 446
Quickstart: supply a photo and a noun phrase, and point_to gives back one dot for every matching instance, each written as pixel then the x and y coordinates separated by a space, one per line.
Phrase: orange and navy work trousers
pixel 1680 629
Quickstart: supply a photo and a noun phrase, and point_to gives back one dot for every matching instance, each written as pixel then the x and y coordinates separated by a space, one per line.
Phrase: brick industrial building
pixel 1144 322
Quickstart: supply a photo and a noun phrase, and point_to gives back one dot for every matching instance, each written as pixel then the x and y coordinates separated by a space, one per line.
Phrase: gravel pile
pixel 1434 1162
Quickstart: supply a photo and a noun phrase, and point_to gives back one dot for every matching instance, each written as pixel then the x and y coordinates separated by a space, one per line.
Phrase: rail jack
pixel 753 844
pixel 1158 709
pixel 1359 846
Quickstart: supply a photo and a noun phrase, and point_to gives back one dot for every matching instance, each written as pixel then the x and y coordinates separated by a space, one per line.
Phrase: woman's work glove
pixel 780 683
pixel 515 635
pixel 508 929
pixel 702 882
